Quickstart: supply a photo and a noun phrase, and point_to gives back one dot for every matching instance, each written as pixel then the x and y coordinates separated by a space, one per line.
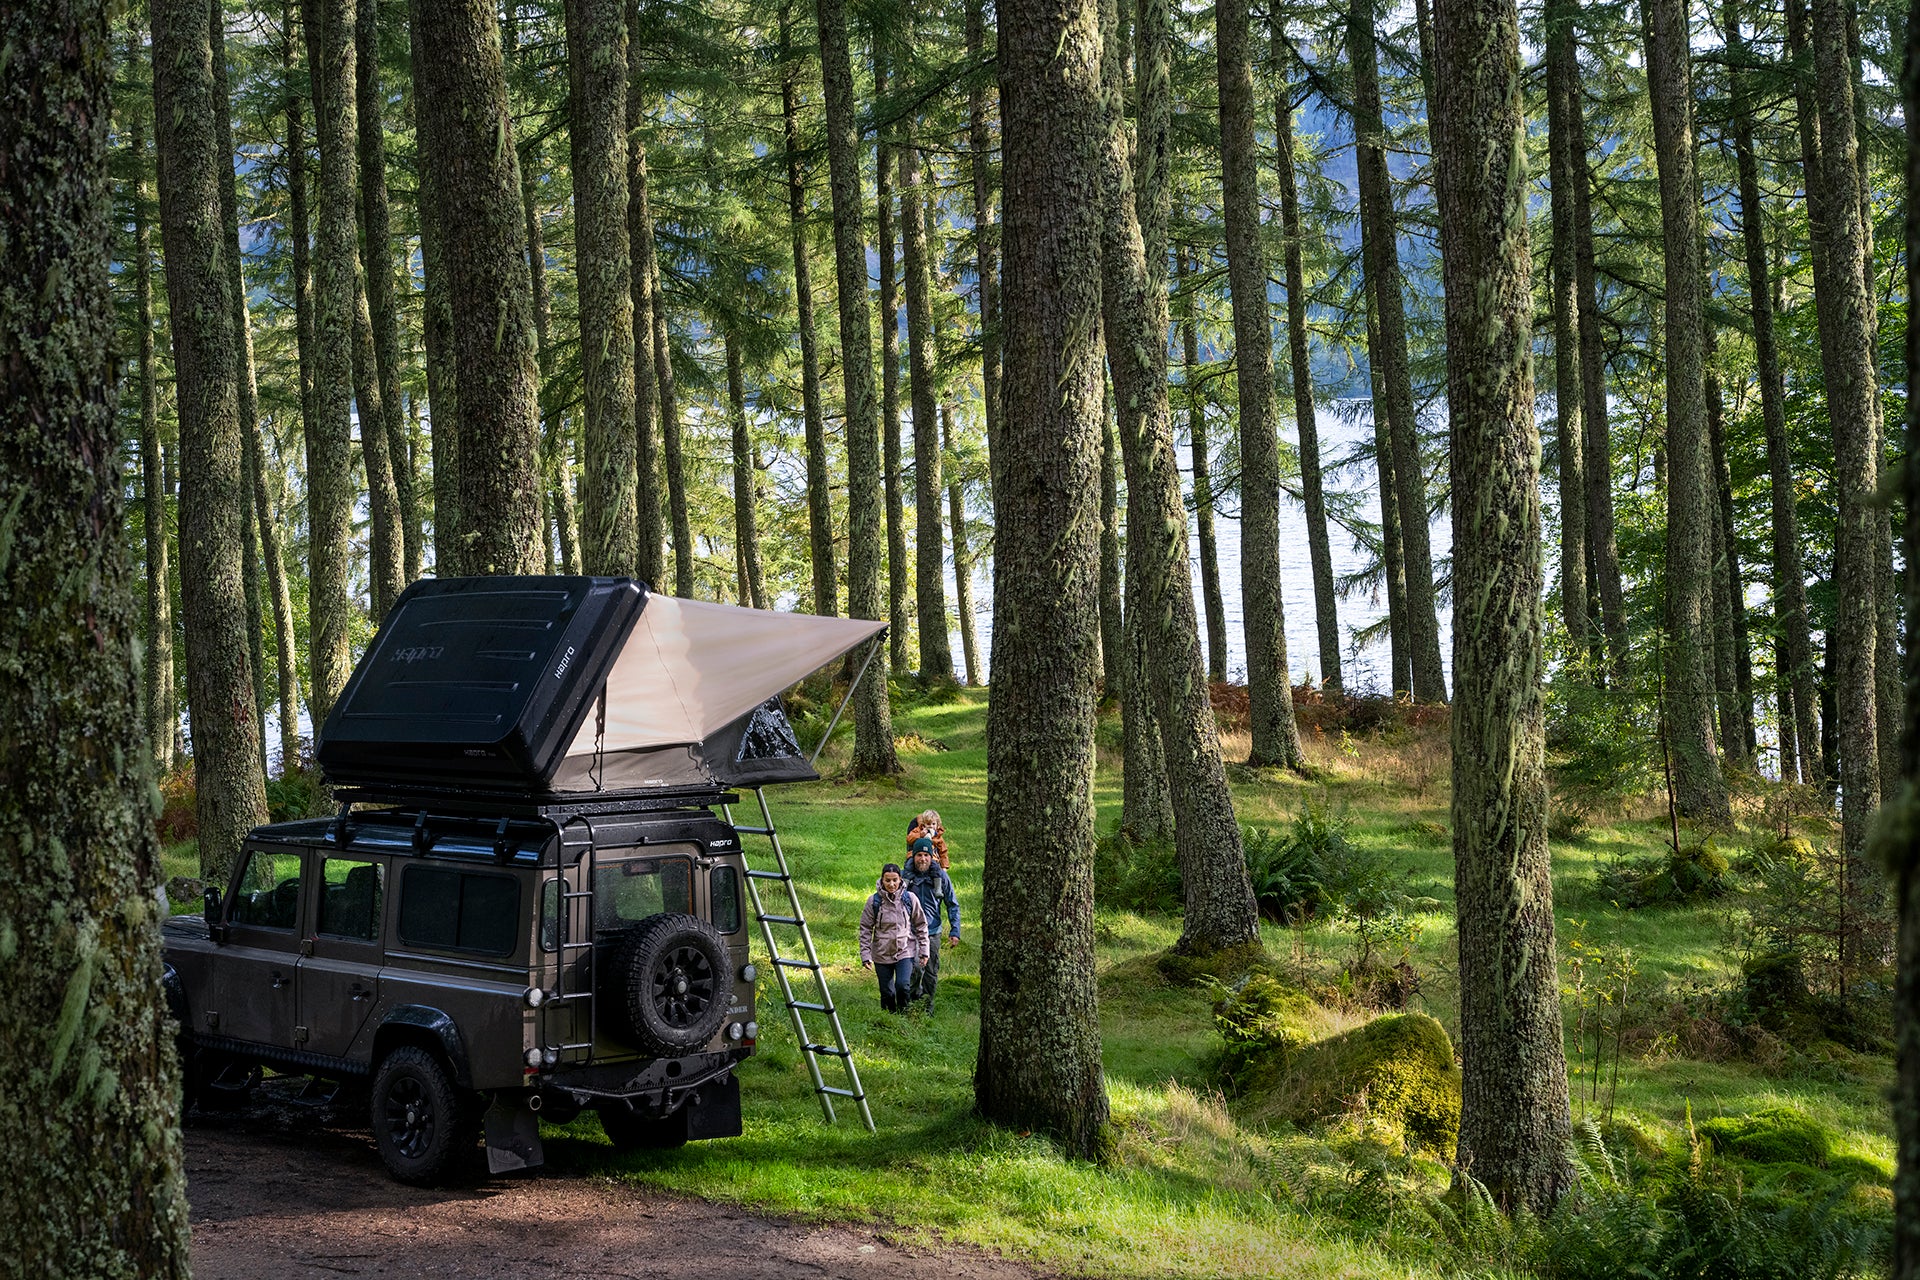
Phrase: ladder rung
pixel 793 920
pixel 809 1006
pixel 828 1049
pixel 768 875
pixel 794 964
pixel 841 1093
pixel 754 831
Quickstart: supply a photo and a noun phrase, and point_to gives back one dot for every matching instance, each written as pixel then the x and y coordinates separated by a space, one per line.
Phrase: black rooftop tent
pixel 567 686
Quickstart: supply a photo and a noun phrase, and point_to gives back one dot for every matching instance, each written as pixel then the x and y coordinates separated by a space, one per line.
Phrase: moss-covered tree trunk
pixel 603 268
pixel 158 699
pixel 1569 430
pixel 1699 790
pixel 746 470
pixel 1399 637
pixel 462 87
pixel 330 484
pixel 1378 231
pixel 1212 600
pixel 1800 740
pixel 1733 664
pixel 1112 645
pixel 1039 1061
pixel 873 751
pixel 1136 199
pixel 1602 551
pixel 1899 845
pixel 1276 738
pixel 436 332
pixel 826 585
pixel 377 260
pixel 1514 1122
pixel 929 541
pixel 1853 410
pixel 963 561
pixel 297 230
pixel 92 1097
pixel 386 550
pixel 651 535
pixel 1305 417
pixel 899 579
pixel 986 256
pixel 230 791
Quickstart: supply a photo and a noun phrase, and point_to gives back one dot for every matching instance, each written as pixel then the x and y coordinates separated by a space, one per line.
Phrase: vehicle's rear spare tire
pixel 672 981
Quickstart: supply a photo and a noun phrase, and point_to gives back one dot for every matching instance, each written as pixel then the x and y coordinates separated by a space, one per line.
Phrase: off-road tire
pixel 672 981
pixel 632 1131
pixel 423 1125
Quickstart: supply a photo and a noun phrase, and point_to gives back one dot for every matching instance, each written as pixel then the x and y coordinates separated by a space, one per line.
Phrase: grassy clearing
pixel 1193 1191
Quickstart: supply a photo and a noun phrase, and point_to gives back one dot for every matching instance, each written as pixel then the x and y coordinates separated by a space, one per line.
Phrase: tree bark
pixel 1276 739
pixel 1220 907
pixel 1699 790
pixel 436 331
pixel 1789 575
pixel 1039 1061
pixel 826 586
pixel 376 252
pixel 603 269
pixel 979 164
pixel 1562 86
pixel 1733 669
pixel 1514 1123
pixel 230 792
pixel 93 1094
pixel 1596 441
pixel 462 86
pixel 246 387
pixel 1305 416
pixel 1378 230
pixel 1146 796
pixel 385 549
pixel 330 485
pixel 873 752
pixel 1392 564
pixel 746 530
pixel 963 561
pixel 161 712
pixel 929 543
pixel 1211 597
pixel 1112 625
pixel 899 610
pixel 1853 409
pixel 651 535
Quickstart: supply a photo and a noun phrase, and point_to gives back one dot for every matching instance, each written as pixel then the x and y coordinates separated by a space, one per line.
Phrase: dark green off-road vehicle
pixel 531 902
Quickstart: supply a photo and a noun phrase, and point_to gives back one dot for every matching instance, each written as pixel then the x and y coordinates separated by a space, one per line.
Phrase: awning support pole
pixel 873 647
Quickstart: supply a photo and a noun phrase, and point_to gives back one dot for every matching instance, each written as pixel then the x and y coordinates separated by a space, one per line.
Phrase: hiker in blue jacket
pixel 928 881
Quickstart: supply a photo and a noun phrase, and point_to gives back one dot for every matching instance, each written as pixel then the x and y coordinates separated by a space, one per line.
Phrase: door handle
pixel 358 992
pixel 279 981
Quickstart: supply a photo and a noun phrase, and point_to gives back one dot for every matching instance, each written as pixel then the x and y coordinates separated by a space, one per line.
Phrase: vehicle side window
pixel 269 896
pixel 725 890
pixel 625 893
pixel 459 910
pixel 350 898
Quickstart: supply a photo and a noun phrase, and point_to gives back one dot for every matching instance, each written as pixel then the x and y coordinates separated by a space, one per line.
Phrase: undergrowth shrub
pixel 1135 875
pixel 178 820
pixel 1691 873
pixel 1603 748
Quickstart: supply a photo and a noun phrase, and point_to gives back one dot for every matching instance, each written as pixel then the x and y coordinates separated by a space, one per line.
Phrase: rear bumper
pixel 655 1086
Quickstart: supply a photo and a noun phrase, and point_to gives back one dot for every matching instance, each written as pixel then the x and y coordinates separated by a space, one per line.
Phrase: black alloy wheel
pixel 672 978
pixel 420 1121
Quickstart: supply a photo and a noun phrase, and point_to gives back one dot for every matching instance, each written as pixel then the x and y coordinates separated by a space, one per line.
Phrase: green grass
pixel 1191 1191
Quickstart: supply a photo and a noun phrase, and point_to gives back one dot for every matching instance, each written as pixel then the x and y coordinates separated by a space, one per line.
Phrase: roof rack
pixel 480 802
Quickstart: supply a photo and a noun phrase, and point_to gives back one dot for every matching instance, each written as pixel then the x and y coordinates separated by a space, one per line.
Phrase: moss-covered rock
pixel 1231 966
pixel 1396 1074
pixel 1262 1019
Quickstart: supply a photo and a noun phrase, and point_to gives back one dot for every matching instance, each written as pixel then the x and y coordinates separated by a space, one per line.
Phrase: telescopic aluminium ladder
pixel 813 1049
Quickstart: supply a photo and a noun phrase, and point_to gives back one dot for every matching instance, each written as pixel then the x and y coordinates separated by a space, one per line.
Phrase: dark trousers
pixel 896 976
pixel 927 978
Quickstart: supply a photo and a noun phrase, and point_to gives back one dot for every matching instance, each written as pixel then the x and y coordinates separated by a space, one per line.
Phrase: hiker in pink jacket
pixel 893 938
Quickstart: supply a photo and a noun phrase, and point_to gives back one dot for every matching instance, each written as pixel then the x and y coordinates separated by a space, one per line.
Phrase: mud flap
pixel 513 1136
pixel 714 1112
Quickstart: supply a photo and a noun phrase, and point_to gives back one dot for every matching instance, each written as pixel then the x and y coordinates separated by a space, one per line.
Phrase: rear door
pixel 340 976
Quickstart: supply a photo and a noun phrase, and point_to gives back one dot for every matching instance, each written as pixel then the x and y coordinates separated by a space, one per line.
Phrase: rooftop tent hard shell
pixel 496 684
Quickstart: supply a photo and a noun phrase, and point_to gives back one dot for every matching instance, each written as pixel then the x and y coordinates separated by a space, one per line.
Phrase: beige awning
pixel 690 668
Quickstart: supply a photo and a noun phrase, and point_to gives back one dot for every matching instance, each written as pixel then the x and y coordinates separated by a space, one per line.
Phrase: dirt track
pixel 282 1190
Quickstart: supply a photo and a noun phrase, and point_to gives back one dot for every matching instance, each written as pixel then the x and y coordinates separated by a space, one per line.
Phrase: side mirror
pixel 210 905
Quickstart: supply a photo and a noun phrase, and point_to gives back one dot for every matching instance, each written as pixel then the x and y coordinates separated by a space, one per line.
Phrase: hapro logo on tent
pixel 565 659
